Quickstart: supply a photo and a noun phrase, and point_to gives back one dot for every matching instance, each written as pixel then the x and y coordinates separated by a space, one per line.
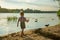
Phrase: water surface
pixel 7 27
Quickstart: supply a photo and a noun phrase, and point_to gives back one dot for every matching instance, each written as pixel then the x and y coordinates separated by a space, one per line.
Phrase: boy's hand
pixel 27 20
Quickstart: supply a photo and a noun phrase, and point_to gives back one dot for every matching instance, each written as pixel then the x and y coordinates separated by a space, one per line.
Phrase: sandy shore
pixel 47 33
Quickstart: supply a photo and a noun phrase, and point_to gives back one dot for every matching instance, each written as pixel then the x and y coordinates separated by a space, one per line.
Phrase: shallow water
pixel 7 27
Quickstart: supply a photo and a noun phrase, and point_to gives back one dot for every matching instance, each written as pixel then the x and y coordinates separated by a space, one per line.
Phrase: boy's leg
pixel 22 33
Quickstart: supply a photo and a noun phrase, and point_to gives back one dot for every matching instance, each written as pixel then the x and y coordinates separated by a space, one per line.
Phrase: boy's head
pixel 22 13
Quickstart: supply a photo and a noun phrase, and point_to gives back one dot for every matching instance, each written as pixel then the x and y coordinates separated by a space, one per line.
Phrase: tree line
pixel 5 10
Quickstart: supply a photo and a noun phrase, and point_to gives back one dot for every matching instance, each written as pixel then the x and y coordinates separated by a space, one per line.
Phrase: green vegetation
pixel 4 10
pixel 58 13
pixel 11 18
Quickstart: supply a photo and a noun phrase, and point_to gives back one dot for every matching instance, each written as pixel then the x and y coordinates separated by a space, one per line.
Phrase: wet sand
pixel 47 33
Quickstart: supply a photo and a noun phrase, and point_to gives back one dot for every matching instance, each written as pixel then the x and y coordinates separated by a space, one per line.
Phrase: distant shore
pixel 28 10
pixel 47 33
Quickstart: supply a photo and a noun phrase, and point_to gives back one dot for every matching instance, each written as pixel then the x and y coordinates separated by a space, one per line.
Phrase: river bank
pixel 47 33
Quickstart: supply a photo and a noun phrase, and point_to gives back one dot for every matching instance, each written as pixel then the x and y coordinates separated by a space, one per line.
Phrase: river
pixel 7 27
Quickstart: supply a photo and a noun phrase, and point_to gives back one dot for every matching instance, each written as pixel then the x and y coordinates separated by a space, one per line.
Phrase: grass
pixel 11 18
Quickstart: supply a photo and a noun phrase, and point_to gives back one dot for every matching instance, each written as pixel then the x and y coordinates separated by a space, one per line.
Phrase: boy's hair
pixel 22 13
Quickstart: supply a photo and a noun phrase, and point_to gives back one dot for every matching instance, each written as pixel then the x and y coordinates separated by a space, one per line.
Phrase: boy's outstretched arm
pixel 18 23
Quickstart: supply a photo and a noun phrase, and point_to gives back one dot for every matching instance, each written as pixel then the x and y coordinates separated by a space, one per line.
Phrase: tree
pixel 0 6
pixel 59 12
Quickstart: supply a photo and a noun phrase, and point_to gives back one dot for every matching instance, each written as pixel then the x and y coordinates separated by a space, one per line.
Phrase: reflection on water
pixel 3 22
pixel 8 21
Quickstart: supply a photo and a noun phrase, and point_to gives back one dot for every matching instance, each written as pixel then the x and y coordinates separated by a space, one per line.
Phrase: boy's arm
pixel 18 23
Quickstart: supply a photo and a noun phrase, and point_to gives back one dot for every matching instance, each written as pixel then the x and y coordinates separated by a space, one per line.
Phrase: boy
pixel 22 21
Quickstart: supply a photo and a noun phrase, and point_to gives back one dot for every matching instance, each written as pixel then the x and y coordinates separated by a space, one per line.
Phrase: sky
pixel 43 5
